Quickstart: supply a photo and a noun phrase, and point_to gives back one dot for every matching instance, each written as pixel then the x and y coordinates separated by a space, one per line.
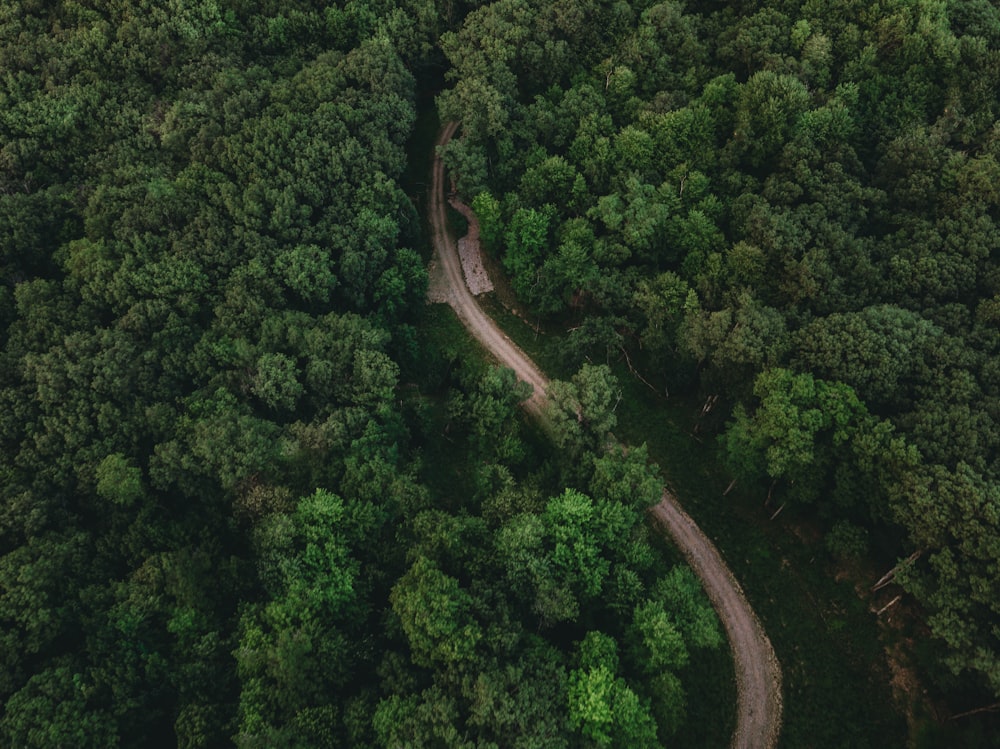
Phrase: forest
pixel 255 492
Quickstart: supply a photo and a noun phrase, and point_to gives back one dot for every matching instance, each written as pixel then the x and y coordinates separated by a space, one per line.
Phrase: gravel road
pixel 758 673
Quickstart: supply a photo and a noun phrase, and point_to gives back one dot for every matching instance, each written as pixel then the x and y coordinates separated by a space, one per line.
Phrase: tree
pixel 492 412
pixel 276 382
pixel 796 433
pixel 36 606
pixel 119 480
pixel 952 517
pixel 582 411
pixel 626 476
pixel 526 247
pixel 306 271
pixel 436 615
pixel 55 709
pixel 601 705
pixel 739 341
pixel 561 560
pixel 660 301
pixel 767 109
pixel 294 647
pixel 491 229
pixel 873 350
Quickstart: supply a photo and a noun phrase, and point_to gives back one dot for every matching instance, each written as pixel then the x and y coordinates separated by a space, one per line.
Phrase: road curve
pixel 758 674
pixel 460 298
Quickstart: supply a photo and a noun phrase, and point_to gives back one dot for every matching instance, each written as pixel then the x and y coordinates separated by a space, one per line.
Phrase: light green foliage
pixel 582 411
pixel 577 532
pixel 662 639
pixel 293 647
pixel 590 693
pixel 491 229
pixel 601 705
pixel 527 244
pixel 682 597
pixel 667 630
pixel 118 480
pixel 562 558
pixel 799 427
pixel 306 272
pixel 626 476
pixel 435 614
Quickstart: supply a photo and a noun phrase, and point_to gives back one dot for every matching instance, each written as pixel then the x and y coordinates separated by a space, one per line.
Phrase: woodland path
pixel 758 674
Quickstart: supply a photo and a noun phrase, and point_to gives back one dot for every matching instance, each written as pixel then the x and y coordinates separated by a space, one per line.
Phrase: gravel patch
pixel 471 253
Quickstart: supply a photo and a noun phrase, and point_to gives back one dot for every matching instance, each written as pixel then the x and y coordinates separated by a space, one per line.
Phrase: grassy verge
pixel 540 344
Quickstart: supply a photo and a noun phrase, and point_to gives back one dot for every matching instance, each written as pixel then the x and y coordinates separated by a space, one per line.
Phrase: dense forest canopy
pixel 246 500
pixel 217 524
pixel 793 205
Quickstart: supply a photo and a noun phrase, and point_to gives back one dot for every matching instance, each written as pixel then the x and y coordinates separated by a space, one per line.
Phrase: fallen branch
pixel 889 576
pixel 729 488
pixel 639 377
pixel 770 492
pixel 778 511
pixel 995 707
pixel 891 603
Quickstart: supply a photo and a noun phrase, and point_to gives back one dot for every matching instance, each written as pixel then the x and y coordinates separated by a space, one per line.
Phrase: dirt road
pixel 758 674
pixel 458 296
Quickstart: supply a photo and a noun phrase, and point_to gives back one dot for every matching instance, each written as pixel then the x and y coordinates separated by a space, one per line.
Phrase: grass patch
pixel 540 344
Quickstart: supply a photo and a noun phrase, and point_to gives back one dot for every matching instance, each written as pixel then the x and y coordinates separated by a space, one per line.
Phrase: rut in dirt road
pixel 758 674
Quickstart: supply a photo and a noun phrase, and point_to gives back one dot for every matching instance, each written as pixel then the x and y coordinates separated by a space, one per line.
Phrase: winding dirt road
pixel 460 298
pixel 758 674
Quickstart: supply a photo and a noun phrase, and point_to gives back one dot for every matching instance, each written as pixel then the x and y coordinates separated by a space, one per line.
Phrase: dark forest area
pixel 255 492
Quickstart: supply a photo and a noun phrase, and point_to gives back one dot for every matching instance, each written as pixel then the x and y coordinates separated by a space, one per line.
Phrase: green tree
pixel 491 229
pixel 601 705
pixel 55 709
pixel 561 560
pixel 582 411
pixel 436 615
pixel 118 480
pixel 626 476
pixel 796 433
pixel 527 241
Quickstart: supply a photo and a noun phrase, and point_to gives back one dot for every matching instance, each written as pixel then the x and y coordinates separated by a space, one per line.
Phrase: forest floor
pixel 758 673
